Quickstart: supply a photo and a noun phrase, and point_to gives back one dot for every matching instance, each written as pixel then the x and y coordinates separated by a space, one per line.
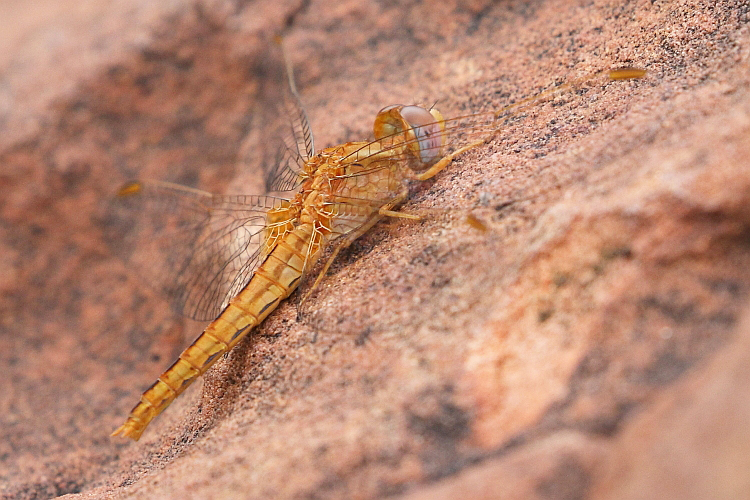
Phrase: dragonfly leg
pixel 323 271
pixel 445 161
pixel 349 238
pixel 397 214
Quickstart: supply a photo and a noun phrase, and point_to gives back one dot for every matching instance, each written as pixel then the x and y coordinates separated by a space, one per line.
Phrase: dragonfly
pixel 232 259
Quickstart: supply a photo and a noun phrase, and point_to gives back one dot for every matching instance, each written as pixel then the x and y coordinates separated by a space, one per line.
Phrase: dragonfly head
pixel 421 130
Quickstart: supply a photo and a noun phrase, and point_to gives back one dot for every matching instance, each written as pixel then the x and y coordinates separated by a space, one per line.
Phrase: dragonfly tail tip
pixel 127 430
pixel 626 73
pixel 130 188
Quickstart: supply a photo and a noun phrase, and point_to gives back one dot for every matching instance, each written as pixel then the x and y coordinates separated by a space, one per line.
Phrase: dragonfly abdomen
pixel 271 283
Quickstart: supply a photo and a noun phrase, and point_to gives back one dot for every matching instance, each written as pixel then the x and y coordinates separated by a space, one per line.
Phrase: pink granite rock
pixel 587 338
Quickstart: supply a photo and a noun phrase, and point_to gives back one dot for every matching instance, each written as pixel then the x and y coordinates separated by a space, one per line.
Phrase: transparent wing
pixel 298 121
pixel 293 138
pixel 423 144
pixel 291 147
pixel 286 162
pixel 412 150
pixel 374 173
pixel 198 249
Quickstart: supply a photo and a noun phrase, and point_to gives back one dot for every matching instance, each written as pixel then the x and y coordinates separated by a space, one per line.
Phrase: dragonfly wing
pixel 294 146
pixel 197 248
pixel 292 138
pixel 286 164
pixel 298 121
pixel 432 140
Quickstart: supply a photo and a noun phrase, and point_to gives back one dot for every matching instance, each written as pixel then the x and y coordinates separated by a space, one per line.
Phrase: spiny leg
pixel 385 211
pixel 398 215
pixel 445 161
pixel 349 238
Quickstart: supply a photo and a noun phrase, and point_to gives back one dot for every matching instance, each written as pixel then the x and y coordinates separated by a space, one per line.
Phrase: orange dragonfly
pixel 233 259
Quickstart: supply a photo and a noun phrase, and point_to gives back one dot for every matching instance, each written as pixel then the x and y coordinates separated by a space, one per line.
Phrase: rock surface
pixel 589 337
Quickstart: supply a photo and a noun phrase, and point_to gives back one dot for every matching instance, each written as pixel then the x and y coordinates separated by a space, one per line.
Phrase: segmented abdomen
pixel 272 282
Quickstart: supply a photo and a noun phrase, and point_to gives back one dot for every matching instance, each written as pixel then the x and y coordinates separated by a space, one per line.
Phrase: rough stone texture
pixel 590 338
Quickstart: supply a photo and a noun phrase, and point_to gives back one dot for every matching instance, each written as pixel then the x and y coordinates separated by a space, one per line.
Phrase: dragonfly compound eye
pixel 428 127
pixel 422 131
